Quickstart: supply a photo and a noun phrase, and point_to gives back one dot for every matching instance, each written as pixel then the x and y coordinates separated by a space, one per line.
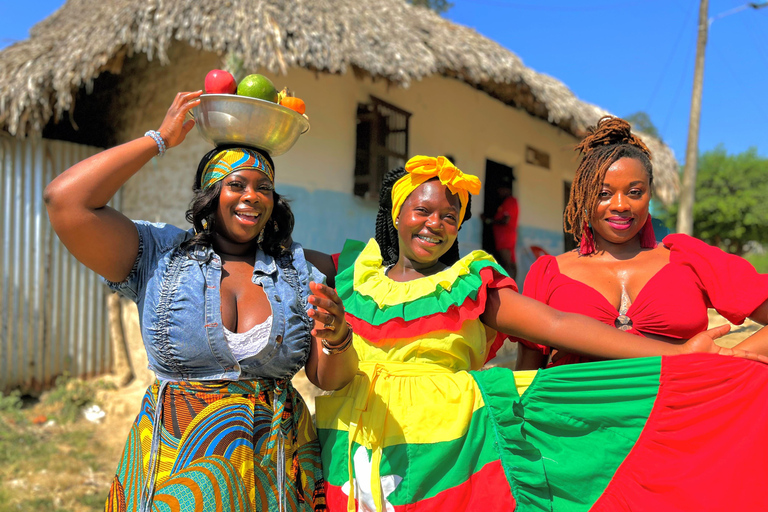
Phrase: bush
pixel 11 402
pixel 760 261
pixel 71 396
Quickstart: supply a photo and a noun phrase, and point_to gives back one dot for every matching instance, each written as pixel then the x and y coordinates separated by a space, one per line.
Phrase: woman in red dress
pixel 620 275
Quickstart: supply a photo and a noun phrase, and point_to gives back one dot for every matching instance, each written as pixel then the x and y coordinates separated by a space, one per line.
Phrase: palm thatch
pixel 387 39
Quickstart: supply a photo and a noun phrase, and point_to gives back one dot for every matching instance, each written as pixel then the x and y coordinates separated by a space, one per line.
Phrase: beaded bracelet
pixel 339 348
pixel 161 147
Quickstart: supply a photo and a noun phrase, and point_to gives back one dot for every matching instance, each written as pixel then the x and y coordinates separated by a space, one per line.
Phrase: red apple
pixel 218 81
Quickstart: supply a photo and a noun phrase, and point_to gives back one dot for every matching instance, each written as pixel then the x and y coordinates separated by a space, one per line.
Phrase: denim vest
pixel 179 302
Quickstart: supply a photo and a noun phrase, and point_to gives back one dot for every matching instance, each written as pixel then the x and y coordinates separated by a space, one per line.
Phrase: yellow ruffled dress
pixel 411 428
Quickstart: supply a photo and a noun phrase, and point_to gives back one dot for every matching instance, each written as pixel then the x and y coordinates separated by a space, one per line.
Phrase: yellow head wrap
pixel 423 168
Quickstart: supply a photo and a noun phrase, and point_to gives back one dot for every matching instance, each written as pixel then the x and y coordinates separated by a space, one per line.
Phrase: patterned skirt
pixel 224 446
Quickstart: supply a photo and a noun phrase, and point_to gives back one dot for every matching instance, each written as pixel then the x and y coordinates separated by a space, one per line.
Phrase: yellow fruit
pixel 282 94
pixel 257 86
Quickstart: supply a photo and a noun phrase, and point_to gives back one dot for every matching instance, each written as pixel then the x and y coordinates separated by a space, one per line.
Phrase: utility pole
pixel 688 192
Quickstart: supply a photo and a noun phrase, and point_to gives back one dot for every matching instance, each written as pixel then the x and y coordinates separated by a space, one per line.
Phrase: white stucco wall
pixel 448 117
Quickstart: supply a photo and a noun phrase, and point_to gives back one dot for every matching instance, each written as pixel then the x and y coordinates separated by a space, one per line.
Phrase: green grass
pixel 93 501
pixel 760 261
pixel 33 505
pixel 20 444
pixel 44 466
pixel 71 396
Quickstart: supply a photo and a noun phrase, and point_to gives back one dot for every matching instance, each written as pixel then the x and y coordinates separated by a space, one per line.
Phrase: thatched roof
pixel 387 39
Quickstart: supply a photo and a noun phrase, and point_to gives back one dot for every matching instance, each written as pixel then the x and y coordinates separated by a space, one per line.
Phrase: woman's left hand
pixel 330 322
pixel 704 342
pixel 175 125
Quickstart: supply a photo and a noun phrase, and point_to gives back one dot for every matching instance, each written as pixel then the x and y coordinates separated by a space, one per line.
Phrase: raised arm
pixel 517 315
pixel 100 237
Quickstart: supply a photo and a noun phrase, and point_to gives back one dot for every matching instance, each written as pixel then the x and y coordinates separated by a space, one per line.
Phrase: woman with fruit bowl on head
pixel 420 429
pixel 229 312
pixel 620 275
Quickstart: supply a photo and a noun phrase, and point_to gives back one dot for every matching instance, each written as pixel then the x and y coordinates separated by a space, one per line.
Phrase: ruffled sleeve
pixel 732 285
pixel 538 284
pixel 349 253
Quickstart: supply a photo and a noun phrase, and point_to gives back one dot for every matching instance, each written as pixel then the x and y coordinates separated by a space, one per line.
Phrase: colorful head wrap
pixel 231 160
pixel 423 168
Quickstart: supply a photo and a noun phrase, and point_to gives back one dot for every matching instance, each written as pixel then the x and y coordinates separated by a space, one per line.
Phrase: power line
pixel 664 70
pixel 680 82
pixel 733 74
pixel 688 188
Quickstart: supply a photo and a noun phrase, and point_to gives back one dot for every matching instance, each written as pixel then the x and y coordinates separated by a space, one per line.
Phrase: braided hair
pixel 607 142
pixel 202 212
pixel 386 233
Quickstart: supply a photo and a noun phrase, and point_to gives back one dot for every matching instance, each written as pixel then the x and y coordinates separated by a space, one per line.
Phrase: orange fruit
pixel 294 103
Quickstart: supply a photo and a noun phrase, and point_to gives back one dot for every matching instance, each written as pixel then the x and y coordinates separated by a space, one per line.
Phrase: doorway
pixel 496 175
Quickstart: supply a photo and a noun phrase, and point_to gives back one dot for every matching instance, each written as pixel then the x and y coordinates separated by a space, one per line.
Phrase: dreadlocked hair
pixel 607 142
pixel 386 233
pixel 202 212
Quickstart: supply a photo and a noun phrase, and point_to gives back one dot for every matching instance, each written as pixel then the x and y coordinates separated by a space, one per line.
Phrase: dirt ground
pixel 69 467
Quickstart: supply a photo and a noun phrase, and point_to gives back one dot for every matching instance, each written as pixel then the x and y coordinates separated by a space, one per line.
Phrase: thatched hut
pixel 84 40
pixel 100 72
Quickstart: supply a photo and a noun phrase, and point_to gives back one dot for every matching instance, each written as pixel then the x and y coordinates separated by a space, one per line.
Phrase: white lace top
pixel 250 343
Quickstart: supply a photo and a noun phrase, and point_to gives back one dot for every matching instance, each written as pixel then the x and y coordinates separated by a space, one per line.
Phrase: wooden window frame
pixel 371 153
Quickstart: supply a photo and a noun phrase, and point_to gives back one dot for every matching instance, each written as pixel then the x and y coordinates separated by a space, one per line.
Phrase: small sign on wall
pixel 536 157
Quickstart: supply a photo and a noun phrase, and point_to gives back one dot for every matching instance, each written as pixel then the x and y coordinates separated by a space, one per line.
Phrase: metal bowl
pixel 230 119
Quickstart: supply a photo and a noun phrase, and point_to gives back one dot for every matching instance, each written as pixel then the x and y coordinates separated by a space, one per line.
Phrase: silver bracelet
pixel 155 135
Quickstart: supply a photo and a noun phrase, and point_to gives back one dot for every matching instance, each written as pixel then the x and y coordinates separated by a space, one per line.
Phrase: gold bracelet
pixel 339 348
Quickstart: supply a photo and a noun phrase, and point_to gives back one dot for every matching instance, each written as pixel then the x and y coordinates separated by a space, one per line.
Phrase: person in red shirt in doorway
pixel 505 226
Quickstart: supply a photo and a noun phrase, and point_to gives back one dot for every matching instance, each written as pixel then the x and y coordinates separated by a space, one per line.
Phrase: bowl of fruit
pixel 249 113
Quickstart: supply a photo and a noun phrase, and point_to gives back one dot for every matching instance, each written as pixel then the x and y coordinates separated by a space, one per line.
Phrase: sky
pixel 623 55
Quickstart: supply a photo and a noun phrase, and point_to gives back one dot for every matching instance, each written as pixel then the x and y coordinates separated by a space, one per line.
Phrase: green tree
pixel 641 121
pixel 731 206
pixel 439 6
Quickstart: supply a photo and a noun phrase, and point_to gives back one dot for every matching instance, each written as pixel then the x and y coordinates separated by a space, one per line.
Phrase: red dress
pixel 673 303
